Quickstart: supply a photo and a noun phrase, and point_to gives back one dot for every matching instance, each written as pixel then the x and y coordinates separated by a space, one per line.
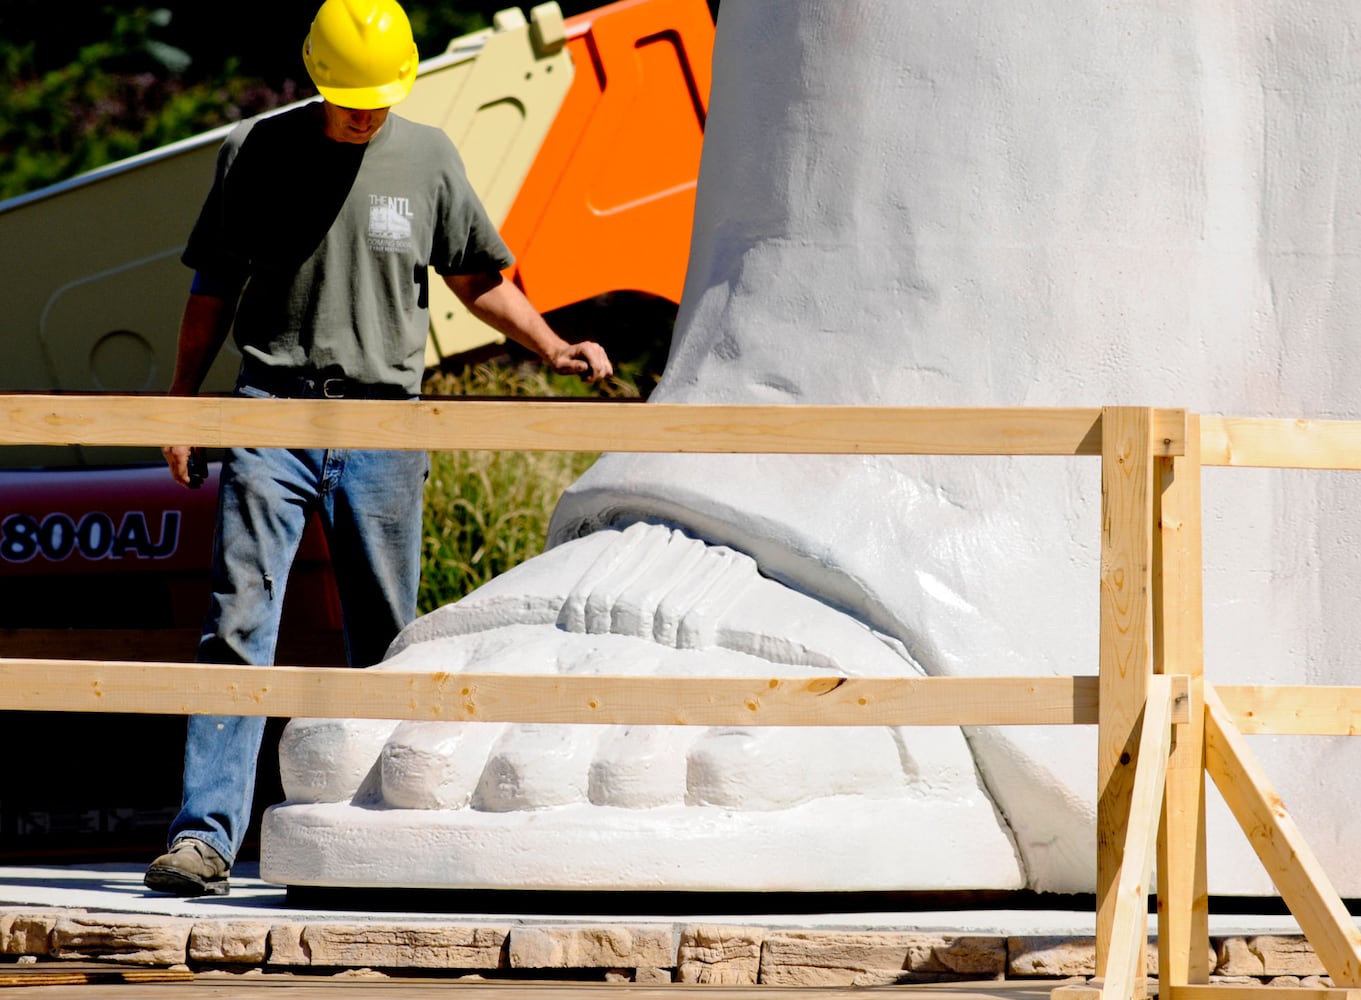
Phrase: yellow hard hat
pixel 360 53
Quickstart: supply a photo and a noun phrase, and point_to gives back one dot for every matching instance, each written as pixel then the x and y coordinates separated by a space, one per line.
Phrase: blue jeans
pixel 370 503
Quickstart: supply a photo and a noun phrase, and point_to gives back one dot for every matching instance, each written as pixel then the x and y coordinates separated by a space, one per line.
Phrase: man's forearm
pixel 503 307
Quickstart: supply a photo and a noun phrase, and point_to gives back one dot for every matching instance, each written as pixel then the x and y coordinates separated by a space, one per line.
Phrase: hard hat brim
pixel 365 98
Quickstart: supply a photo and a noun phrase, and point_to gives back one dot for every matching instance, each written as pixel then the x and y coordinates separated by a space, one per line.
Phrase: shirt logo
pixel 389 223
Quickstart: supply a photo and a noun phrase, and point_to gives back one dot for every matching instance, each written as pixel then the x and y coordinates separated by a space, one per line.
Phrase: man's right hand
pixel 188 466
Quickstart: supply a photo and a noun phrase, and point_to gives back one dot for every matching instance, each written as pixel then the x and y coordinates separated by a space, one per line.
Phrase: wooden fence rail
pixel 1159 725
pixel 304 692
pixel 1244 442
pixel 560 425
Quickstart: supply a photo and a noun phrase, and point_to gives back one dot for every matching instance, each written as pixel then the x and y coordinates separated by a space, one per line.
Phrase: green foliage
pixel 488 511
pixel 118 97
pixel 435 25
pixel 69 108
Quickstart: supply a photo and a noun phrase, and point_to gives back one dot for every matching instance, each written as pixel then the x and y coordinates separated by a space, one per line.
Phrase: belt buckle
pixel 333 388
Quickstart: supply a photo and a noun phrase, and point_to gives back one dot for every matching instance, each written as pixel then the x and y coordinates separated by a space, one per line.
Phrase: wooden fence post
pixel 1126 660
pixel 1178 648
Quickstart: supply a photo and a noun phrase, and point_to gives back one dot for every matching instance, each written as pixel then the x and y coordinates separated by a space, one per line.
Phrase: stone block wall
pixel 655 952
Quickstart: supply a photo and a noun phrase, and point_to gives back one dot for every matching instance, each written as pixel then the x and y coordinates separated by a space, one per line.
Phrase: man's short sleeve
pixel 211 247
pixel 465 240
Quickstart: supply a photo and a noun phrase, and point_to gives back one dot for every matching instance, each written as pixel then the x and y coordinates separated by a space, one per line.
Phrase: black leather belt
pixel 291 383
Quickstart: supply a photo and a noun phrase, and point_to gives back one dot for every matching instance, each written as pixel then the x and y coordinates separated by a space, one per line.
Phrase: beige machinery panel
pixel 120 233
pixel 97 288
pixel 497 108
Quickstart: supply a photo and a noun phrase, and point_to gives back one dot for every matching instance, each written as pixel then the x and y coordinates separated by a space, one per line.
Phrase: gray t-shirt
pixel 334 241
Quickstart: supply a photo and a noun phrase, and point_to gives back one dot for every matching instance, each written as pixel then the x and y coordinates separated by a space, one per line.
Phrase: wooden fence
pixel 1161 729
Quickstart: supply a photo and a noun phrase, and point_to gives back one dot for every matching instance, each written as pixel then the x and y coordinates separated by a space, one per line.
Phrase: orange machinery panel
pixel 609 202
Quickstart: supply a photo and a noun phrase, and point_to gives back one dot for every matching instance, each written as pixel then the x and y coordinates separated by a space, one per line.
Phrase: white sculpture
pixel 963 203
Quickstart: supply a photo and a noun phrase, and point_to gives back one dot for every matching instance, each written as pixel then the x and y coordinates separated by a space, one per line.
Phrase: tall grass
pixel 488 511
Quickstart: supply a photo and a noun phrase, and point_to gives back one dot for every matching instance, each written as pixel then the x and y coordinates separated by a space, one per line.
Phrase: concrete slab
pixel 117 888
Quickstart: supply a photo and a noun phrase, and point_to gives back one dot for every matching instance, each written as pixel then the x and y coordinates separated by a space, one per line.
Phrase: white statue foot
pixel 446 804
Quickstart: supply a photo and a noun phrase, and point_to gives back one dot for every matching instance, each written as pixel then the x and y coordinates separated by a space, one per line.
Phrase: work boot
pixel 190 868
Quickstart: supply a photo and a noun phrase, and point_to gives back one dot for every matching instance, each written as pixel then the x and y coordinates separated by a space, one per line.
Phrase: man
pixel 314 244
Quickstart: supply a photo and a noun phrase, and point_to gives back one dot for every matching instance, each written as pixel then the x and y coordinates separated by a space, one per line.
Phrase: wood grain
pixel 1280 846
pixel 1232 991
pixel 1253 442
pixel 1129 926
pixel 560 425
pixel 1293 709
pixel 318 692
pixel 1183 894
pixel 1126 660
